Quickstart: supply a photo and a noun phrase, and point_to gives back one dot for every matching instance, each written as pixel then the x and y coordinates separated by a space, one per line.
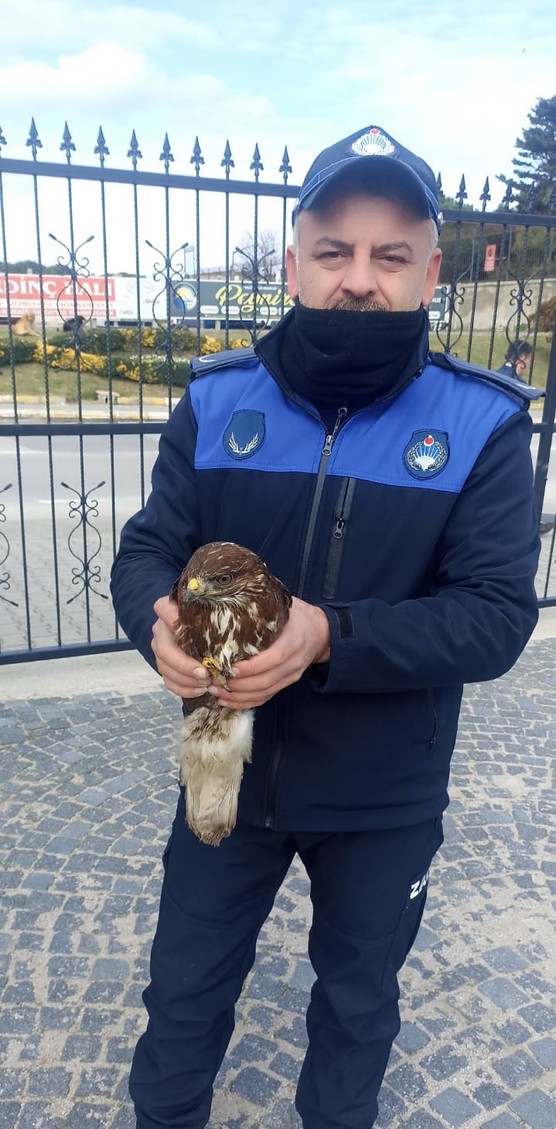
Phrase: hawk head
pixel 222 573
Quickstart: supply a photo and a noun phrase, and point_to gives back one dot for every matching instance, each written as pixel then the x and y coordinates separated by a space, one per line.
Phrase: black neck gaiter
pixel 353 357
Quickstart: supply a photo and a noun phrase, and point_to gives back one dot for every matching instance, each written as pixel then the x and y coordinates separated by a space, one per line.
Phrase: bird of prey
pixel 230 607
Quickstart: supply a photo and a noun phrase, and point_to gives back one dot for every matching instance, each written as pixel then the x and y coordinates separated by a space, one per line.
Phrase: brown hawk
pixel 230 607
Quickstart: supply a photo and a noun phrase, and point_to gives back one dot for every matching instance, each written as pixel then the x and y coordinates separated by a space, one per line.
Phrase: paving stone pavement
pixel 87 795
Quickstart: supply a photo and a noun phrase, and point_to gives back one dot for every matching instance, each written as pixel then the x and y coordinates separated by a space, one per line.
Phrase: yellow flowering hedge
pixel 123 362
pixel 210 345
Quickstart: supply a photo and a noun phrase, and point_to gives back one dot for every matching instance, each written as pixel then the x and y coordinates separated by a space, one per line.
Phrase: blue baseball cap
pixel 375 151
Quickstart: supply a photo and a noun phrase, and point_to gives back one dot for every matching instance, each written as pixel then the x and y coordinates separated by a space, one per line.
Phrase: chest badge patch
pixel 427 453
pixel 244 434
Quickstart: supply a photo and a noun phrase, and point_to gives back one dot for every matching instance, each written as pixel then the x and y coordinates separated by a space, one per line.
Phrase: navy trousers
pixel 368 891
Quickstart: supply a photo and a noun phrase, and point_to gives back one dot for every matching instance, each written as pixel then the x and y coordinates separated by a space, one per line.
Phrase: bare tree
pixel 257 262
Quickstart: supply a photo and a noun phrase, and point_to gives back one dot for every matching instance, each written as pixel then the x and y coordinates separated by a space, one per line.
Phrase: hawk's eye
pixel 224 578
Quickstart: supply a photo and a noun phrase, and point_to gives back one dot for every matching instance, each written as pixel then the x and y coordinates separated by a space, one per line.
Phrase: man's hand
pixel 182 675
pixel 304 640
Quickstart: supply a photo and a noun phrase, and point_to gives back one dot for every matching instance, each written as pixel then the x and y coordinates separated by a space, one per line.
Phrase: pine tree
pixel 534 180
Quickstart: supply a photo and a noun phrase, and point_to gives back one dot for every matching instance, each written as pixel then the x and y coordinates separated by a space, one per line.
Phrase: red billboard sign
pixel 57 295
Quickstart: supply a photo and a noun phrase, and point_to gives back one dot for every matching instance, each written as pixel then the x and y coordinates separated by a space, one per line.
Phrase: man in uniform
pixel 391 492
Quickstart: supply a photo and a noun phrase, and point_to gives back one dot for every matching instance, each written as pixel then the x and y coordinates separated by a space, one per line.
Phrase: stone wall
pixel 494 303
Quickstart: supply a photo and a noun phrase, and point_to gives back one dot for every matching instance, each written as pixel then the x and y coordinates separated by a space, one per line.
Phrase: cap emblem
pixel 373 144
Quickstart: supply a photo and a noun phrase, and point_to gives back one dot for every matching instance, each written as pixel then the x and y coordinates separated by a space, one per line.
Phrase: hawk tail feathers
pixel 216 743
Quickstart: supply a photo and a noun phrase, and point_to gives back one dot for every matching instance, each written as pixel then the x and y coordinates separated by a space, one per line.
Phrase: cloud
pixel 122 89
pixel 454 82
pixel 50 23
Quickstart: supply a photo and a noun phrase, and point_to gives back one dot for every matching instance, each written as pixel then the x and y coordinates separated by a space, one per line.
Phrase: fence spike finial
pixel 134 151
pixel 256 163
pixel 530 198
pixel 461 193
pixel 508 196
pixel 197 158
pixel 67 144
pixel 439 187
pixel 227 161
pixel 485 194
pixel 285 167
pixel 101 147
pixel 33 140
pixel 2 138
pixel 166 155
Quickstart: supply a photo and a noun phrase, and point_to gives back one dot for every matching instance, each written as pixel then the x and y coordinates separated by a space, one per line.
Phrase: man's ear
pixel 432 275
pixel 291 272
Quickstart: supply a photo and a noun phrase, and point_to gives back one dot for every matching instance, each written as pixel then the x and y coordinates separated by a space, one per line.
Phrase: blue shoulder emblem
pixel 244 434
pixel 427 453
pixel 231 358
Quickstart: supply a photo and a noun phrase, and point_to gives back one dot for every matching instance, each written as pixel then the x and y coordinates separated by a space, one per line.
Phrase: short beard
pixel 363 305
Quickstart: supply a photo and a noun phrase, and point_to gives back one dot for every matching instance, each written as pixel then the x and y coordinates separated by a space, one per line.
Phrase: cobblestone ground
pixel 86 802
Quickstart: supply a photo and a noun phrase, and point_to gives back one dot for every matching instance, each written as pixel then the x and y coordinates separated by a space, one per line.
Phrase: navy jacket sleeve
pixel 484 608
pixel 158 541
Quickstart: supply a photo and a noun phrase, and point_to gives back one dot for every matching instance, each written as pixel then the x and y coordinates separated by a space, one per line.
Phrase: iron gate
pixel 75 455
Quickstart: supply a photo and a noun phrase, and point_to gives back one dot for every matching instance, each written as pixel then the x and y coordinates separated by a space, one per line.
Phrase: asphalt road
pixel 125 462
pixel 120 462
pixel 44 599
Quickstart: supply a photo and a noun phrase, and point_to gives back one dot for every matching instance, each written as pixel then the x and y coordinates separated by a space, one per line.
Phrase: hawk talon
pixel 215 670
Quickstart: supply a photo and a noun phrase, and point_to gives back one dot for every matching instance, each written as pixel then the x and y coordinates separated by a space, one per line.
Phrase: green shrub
pixel 182 339
pixel 181 374
pixel 152 370
pixel 547 315
pixel 93 340
pixel 21 350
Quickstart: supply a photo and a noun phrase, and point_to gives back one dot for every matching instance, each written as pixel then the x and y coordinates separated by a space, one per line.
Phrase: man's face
pixel 363 253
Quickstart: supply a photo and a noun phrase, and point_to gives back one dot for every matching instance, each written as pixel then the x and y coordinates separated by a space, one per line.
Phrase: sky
pixel 453 81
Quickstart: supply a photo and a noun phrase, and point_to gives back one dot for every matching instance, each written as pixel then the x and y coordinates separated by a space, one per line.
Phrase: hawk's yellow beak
pixel 193 584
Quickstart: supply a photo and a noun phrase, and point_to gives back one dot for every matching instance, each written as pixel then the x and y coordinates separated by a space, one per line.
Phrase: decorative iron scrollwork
pixel 454 294
pixel 84 507
pixel 169 307
pixel 5 552
pixel 519 298
pixel 78 270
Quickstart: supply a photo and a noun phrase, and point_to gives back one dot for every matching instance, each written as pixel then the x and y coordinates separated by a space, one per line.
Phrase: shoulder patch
pixel 244 434
pixel 427 453
pixel 230 358
pixel 508 384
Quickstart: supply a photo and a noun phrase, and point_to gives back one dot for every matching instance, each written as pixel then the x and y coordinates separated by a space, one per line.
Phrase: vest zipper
pixel 319 487
pixel 335 553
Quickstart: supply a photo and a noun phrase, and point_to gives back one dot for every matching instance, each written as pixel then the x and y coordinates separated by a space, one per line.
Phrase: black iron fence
pixel 111 279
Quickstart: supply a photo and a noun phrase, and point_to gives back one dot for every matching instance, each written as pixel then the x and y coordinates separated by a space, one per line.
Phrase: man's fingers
pixel 183 689
pixel 166 610
pixel 267 660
